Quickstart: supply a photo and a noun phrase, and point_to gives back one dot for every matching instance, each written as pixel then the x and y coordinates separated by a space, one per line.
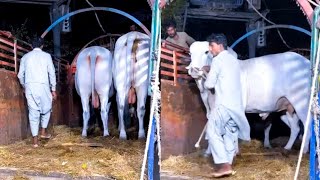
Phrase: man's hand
pixel 54 95
pixel 162 4
pixel 163 44
pixel 206 68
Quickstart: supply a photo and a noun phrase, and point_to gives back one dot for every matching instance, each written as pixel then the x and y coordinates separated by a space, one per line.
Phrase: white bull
pixel 94 78
pixel 131 68
pixel 269 83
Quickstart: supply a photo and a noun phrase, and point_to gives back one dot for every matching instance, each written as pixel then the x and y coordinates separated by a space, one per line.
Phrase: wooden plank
pixel 182 61
pixel 6 41
pixel 6 48
pixel 183 55
pixel 166 50
pixel 10 43
pixel 6 56
pixel 166 57
pixel 166 73
pixel 185 76
pixel 169 66
pixel 183 49
pixel 221 13
pixel 3 63
pixel 182 68
pixel 23 49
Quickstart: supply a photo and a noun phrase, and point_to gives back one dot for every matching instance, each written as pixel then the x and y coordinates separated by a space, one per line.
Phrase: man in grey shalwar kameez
pixel 227 121
pixel 37 77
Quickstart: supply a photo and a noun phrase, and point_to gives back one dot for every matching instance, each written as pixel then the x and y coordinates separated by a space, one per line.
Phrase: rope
pixel 96 17
pixel 313 87
pixel 315 4
pixel 156 95
pixel 316 111
pixel 284 42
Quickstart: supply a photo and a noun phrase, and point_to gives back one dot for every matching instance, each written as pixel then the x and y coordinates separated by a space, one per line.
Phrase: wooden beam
pixel 26 2
pixel 204 13
pixel 218 18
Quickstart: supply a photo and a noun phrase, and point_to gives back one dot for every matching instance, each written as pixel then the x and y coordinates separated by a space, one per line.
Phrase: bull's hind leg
pixel 85 114
pixel 266 142
pixel 293 123
pixel 142 92
pixel 105 106
pixel 120 103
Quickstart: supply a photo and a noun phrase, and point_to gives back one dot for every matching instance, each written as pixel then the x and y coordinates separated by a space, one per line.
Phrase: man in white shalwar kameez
pixel 37 77
pixel 227 121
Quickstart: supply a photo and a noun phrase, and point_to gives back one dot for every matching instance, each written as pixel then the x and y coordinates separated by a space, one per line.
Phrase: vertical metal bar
pixel 314 172
pixel 151 151
pixel 175 72
pixel 312 154
pixel 15 56
pixel 185 17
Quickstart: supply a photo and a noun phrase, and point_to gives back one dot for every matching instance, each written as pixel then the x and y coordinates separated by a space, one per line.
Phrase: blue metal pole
pixel 155 38
pixel 314 171
pixel 151 151
pixel 270 27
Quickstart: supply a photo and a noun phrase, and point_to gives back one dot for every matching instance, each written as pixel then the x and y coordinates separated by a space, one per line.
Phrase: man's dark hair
pixel 171 24
pixel 37 42
pixel 218 39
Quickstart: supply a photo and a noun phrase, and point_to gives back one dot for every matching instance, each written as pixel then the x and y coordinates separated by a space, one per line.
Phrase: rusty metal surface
pixel 182 118
pixel 14 123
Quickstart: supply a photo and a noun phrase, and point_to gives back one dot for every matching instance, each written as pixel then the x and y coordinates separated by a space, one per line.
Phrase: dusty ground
pixel 116 159
pixel 277 166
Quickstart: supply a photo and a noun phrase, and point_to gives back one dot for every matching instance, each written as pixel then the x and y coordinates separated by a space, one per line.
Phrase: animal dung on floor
pixel 69 153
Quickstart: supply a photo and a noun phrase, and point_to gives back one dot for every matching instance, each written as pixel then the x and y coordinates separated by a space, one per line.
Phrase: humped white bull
pixel 270 83
pixel 130 75
pixel 93 78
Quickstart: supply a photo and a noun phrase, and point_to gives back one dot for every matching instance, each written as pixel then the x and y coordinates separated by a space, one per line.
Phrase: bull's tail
pixel 93 60
pixel 129 61
pixel 129 77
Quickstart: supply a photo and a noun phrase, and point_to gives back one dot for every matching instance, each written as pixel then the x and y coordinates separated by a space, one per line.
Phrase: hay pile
pixel 256 166
pixel 118 159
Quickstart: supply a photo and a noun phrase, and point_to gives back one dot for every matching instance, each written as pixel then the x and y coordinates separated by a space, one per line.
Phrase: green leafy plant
pixel 171 12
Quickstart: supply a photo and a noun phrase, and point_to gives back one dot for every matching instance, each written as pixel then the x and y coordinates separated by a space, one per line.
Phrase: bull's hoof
pixel 268 146
pixel 123 136
pixel 106 133
pixel 305 150
pixel 285 152
pixel 141 135
pixel 84 134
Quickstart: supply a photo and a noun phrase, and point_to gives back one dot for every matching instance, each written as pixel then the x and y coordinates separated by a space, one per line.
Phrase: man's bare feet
pixel 35 141
pixel 222 170
pixel 44 135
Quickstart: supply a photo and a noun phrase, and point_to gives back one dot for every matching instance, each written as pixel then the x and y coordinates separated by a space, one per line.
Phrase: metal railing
pixel 12 50
pixel 174 60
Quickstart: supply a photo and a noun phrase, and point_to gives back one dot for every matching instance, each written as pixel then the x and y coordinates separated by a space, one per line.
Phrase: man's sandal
pixel 223 174
pixel 48 136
